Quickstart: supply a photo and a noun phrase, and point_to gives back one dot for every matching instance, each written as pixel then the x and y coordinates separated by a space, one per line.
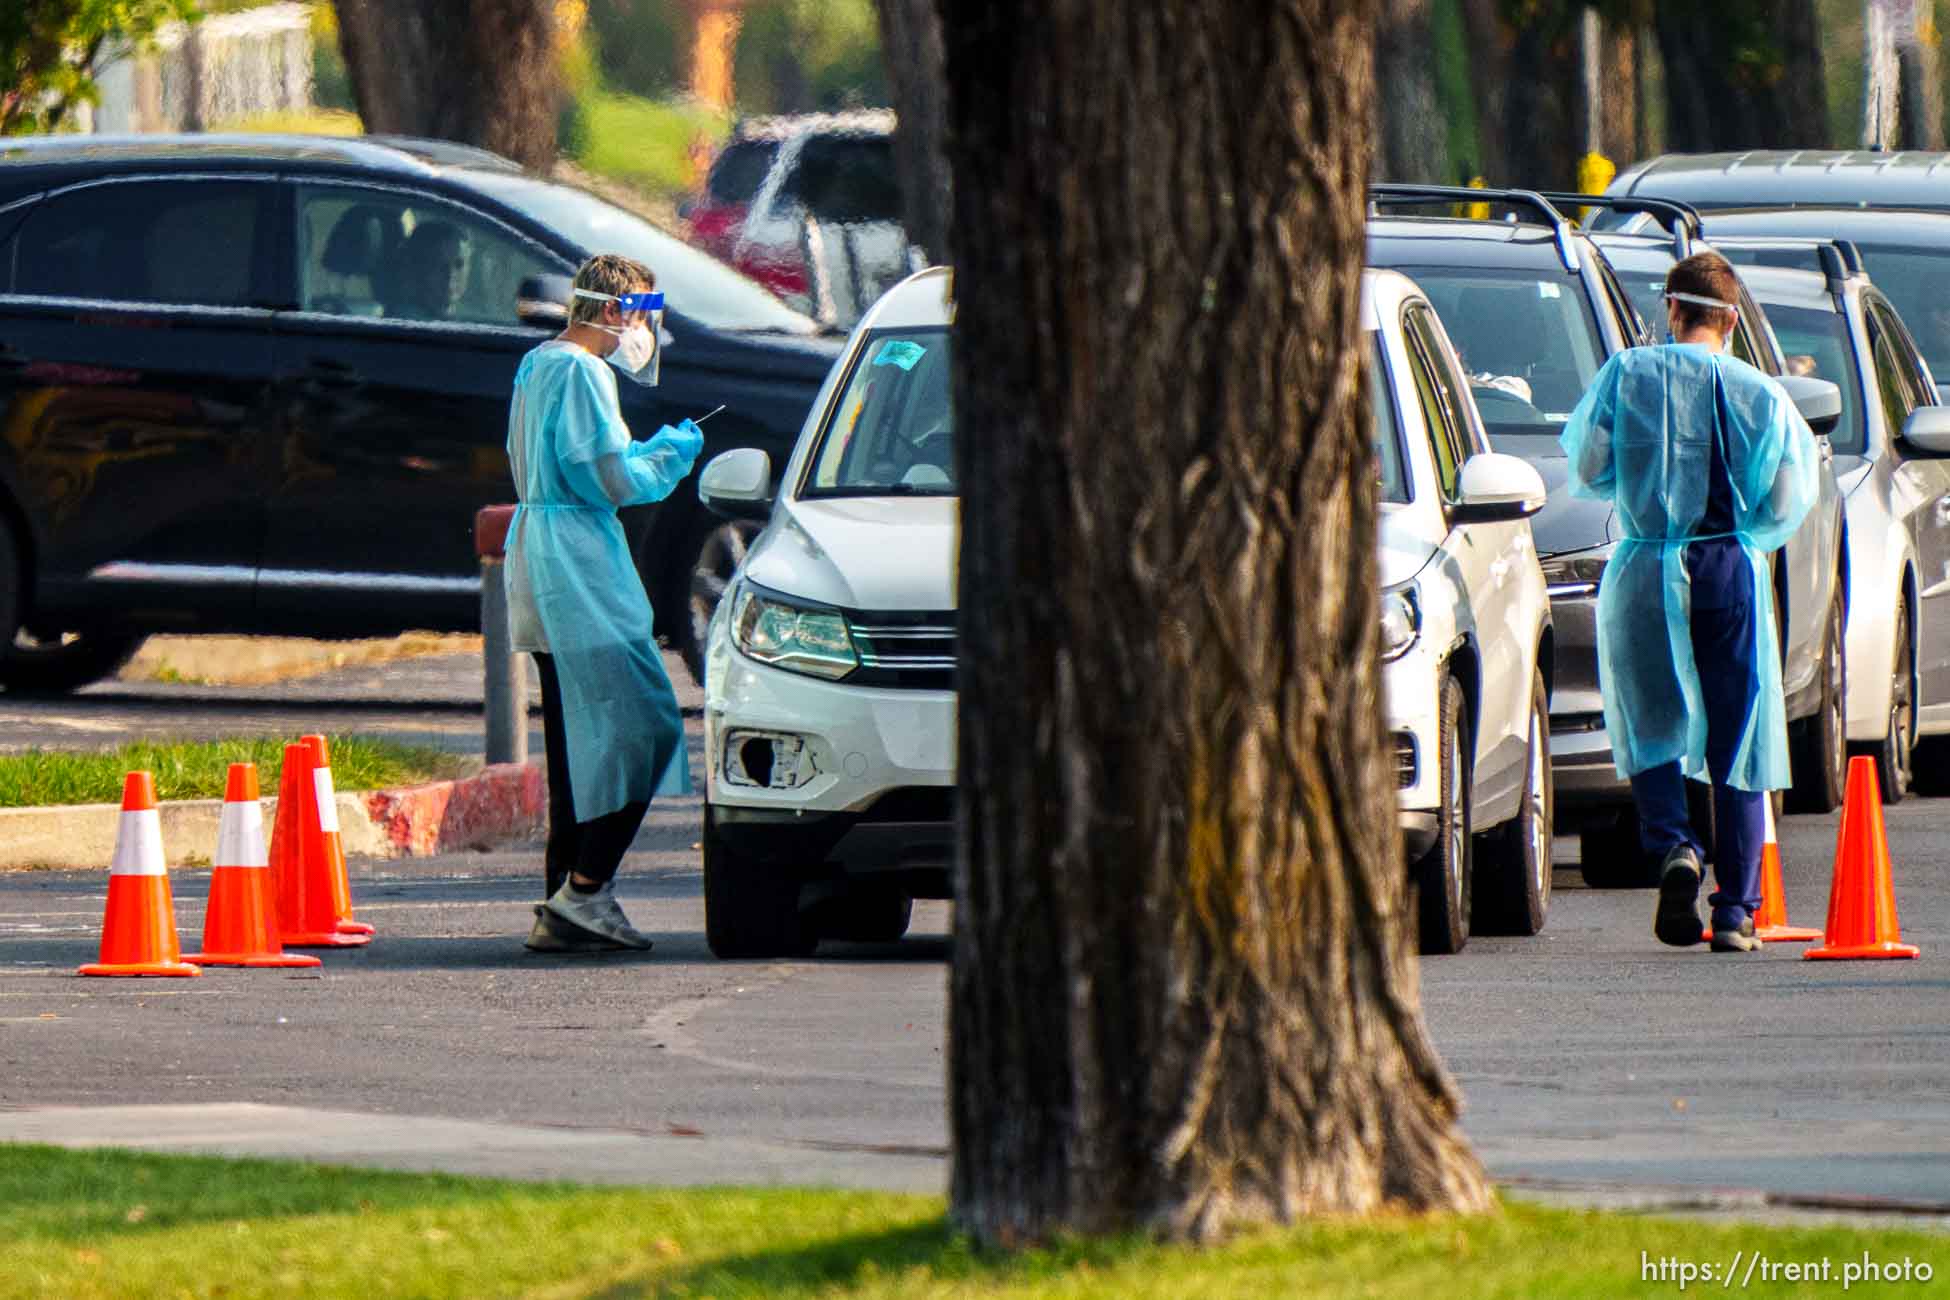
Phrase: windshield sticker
pixel 1545 289
pixel 899 352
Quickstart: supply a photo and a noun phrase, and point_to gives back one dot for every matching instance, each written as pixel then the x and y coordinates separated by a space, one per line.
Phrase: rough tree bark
pixel 1742 74
pixel 910 39
pixel 1413 144
pixel 482 72
pixel 1183 990
pixel 1920 103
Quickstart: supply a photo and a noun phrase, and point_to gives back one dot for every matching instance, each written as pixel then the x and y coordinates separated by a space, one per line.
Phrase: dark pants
pixel 1723 647
pixel 592 849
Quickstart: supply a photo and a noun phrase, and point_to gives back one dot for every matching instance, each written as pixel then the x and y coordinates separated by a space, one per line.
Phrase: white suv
pixel 1465 632
pixel 829 674
pixel 829 699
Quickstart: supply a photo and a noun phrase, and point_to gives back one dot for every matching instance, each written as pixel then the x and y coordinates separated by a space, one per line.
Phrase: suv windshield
pixel 698 286
pixel 892 431
pixel 740 170
pixel 1815 342
pixel 1527 342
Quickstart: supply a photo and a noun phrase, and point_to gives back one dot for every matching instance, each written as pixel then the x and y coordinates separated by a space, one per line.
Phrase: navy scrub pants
pixel 1723 647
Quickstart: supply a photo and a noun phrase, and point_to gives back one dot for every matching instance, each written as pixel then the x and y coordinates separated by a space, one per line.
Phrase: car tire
pixel 1513 869
pixel 1896 756
pixel 1820 757
pixel 1442 877
pixel 717 549
pixel 1614 859
pixel 64 664
pixel 751 907
pixel 12 580
pixel 865 916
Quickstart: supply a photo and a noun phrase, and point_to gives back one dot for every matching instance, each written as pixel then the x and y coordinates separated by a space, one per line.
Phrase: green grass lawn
pixel 641 142
pixel 86 1224
pixel 197 770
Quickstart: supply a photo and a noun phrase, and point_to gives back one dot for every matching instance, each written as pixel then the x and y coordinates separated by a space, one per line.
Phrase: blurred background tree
pixel 51 50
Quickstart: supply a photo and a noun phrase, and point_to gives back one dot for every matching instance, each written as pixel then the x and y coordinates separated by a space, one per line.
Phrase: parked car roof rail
pixel 1394 194
pixel 1681 220
pixel 1840 259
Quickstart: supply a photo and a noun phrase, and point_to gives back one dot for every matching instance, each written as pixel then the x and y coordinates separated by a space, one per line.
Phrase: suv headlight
pixel 776 630
pixel 1401 622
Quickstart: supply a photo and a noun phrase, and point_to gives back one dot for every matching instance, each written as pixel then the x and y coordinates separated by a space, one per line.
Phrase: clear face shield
pixel 639 342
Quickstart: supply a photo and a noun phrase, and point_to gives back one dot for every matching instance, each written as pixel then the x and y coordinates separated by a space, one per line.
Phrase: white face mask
pixel 635 353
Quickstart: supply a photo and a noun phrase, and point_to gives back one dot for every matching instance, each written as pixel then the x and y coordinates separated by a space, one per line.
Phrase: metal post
pixel 504 677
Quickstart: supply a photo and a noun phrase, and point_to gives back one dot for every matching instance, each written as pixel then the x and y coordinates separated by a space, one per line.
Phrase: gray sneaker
pixel 1741 940
pixel 1678 922
pixel 597 913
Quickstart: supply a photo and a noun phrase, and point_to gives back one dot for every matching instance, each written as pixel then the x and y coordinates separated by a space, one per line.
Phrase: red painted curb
pixel 477 812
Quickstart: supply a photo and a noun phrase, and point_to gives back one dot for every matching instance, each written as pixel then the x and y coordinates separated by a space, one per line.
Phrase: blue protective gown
pixel 573 592
pixel 1643 438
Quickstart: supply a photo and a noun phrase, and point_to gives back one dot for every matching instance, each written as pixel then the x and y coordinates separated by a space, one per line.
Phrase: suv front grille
pixel 914 649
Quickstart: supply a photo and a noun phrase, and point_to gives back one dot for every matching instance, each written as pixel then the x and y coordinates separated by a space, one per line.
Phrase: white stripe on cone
pixel 1767 804
pixel 138 845
pixel 240 836
pixel 328 800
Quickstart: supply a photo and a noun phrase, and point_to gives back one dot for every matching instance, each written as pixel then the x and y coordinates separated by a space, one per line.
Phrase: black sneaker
pixel 1741 940
pixel 1678 922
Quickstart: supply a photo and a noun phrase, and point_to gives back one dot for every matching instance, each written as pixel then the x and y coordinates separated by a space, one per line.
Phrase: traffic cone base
pixel 140 946
pixel 1860 952
pixel 1862 921
pixel 329 939
pixel 355 927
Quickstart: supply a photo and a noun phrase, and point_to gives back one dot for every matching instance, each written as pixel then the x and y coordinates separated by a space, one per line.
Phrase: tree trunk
pixel 1490 39
pixel 910 37
pixel 1413 142
pixel 1920 103
pixel 1183 993
pixel 1742 74
pixel 482 72
pixel 1543 120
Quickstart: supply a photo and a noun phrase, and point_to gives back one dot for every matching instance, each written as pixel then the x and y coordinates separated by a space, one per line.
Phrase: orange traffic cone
pixel 1770 923
pixel 139 930
pixel 1862 901
pixel 240 926
pixel 306 887
pixel 331 846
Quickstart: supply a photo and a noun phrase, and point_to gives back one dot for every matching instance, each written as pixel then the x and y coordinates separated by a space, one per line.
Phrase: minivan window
pixel 187 243
pixel 1527 342
pixel 695 284
pixel 1815 342
pixel 892 430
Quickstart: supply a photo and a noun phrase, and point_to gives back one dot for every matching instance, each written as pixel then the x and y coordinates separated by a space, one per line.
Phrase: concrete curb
pixel 497 804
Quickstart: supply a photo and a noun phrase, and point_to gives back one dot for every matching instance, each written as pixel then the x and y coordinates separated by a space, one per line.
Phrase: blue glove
pixel 687 440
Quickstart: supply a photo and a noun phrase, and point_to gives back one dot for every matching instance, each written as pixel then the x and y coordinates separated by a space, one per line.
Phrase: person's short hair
pixel 1704 275
pixel 428 235
pixel 610 273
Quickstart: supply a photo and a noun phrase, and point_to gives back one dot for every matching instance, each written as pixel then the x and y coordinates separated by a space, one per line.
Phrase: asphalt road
pixel 1588 1054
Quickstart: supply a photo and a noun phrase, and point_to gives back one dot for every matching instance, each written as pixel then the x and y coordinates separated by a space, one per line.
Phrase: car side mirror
pixel 1497 489
pixel 1818 400
pixel 1928 429
pixel 542 301
pixel 738 484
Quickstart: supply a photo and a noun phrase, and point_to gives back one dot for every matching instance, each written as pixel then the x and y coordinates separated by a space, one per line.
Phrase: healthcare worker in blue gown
pixel 614 733
pixel 1710 467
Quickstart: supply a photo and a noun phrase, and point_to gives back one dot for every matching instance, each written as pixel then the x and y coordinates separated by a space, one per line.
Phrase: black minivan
pixel 260 384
